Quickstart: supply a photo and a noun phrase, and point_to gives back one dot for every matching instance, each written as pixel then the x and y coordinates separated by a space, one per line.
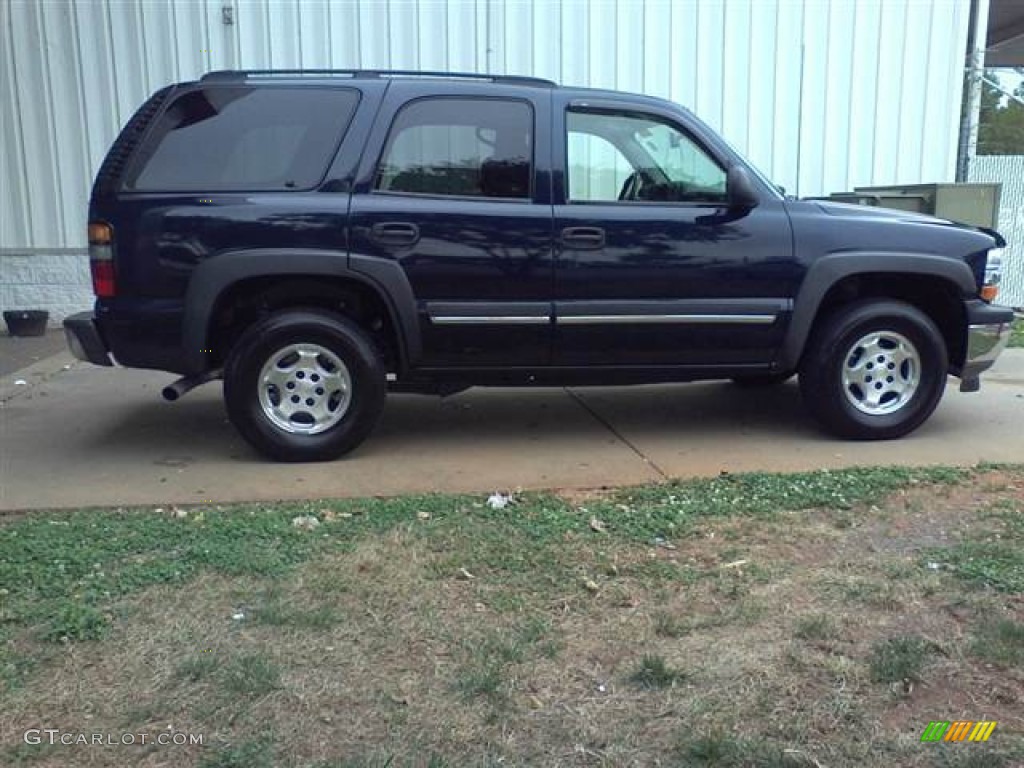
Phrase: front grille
pixel 109 177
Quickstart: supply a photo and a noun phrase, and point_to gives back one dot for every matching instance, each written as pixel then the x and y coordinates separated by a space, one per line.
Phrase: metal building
pixel 823 95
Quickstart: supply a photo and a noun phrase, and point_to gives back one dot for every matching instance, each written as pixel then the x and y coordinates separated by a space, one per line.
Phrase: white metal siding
pixel 823 95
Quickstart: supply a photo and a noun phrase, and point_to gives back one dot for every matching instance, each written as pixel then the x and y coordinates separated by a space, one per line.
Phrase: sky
pixel 1009 78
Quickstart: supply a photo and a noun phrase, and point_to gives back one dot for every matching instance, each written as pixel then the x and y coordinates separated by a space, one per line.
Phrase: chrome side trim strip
pixel 701 319
pixel 489 320
pixel 691 319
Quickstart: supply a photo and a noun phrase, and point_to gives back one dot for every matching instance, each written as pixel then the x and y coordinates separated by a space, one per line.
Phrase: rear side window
pixel 242 138
pixel 459 147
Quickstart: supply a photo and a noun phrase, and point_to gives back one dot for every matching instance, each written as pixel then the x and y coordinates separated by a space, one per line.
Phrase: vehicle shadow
pixel 197 428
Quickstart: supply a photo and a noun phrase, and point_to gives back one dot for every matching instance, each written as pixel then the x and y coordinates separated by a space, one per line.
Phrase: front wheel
pixel 874 370
pixel 304 385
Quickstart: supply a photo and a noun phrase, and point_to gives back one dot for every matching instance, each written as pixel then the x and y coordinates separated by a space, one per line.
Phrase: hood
pixel 851 211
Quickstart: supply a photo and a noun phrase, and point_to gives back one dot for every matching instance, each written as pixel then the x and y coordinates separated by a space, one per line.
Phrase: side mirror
pixel 740 189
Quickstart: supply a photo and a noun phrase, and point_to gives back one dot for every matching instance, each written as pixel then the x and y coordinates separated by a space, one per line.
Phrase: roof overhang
pixel 1005 41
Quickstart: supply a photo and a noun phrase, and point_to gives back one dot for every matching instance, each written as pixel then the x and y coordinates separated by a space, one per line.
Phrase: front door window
pixel 637 158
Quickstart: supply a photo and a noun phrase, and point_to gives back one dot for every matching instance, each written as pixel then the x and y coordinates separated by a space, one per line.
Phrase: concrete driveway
pixel 74 434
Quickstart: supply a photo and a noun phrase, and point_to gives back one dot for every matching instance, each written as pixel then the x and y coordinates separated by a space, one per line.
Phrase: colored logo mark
pixel 958 730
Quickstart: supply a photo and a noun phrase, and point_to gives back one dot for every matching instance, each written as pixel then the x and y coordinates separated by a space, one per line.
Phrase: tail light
pixel 101 259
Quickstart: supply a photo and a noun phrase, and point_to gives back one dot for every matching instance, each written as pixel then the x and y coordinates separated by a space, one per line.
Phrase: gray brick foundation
pixel 57 281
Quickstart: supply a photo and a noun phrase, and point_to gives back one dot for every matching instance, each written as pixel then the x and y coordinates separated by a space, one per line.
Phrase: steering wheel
pixel 635 183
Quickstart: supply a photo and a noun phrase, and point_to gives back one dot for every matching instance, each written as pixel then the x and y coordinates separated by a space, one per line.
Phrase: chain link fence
pixel 1009 171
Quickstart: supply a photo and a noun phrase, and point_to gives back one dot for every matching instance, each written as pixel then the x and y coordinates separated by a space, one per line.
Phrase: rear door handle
pixel 583 238
pixel 395 233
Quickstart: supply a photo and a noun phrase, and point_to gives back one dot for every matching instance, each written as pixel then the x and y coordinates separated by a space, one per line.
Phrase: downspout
pixel 977 35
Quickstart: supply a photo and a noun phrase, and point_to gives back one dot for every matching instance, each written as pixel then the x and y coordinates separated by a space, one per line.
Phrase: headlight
pixel 993 274
pixel 994 266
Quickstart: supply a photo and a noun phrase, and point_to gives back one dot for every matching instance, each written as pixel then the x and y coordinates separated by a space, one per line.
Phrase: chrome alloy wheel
pixel 304 389
pixel 881 373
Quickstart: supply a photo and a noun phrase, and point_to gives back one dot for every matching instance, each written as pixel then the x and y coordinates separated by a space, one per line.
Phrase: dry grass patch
pixel 438 632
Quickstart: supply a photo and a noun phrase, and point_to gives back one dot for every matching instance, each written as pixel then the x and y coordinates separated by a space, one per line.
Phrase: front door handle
pixel 395 233
pixel 583 238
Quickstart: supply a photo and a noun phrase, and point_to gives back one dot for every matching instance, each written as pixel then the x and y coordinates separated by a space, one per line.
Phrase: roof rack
pixel 242 74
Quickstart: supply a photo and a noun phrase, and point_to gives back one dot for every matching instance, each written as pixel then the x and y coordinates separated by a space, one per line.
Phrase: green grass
pixel 488 658
pixel 278 614
pixel 992 559
pixel 251 675
pixel 473 636
pixel 78 621
pixel 201 667
pixel 1000 641
pixel 257 753
pixel 666 509
pixel 1017 333
pixel 655 672
pixel 63 570
pixel 817 627
pixel 899 658
pixel 393 761
pixel 719 750
pixel 669 625
pixel 997 565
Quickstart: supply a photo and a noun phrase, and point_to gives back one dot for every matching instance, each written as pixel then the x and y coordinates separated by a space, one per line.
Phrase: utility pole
pixel 977 36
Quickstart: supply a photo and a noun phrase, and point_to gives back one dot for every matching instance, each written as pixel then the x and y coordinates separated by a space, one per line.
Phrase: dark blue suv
pixel 318 238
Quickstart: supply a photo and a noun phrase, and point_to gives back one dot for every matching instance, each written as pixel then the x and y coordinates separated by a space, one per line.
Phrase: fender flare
pixel 824 273
pixel 217 274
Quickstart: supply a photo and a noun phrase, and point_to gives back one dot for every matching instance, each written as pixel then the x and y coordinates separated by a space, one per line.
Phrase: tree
pixel 1001 121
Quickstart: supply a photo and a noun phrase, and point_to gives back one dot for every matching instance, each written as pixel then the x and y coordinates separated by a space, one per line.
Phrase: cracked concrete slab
pixel 104 437
pixel 79 435
pixel 707 428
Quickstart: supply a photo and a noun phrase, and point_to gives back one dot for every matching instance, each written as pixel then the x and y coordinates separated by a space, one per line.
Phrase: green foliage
pixel 722 750
pixel 78 621
pixel 248 754
pixel 1001 642
pixel 998 565
pixel 1017 331
pixel 898 659
pixel 61 569
pixel 198 668
pixel 817 627
pixel 665 509
pixel 1000 121
pixel 655 672
pixel 252 675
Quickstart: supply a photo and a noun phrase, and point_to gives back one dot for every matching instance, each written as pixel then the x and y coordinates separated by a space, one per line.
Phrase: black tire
pixel 830 354
pixel 343 428
pixel 761 380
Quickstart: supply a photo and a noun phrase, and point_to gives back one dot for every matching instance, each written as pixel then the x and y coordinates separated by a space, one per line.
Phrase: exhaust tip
pixel 170 393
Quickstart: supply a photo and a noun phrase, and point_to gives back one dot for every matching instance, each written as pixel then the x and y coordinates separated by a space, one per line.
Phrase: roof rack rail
pixel 241 74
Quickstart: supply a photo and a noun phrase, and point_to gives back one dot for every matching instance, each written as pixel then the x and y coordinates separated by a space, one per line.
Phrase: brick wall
pixel 58 282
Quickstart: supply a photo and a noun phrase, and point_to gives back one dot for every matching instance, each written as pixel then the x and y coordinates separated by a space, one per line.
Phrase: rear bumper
pixel 84 339
pixel 988 332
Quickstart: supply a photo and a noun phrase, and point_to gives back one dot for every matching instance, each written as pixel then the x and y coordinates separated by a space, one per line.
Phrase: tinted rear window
pixel 242 138
pixel 460 147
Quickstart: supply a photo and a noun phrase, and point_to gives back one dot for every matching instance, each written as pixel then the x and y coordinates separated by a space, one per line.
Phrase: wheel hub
pixel 304 389
pixel 881 373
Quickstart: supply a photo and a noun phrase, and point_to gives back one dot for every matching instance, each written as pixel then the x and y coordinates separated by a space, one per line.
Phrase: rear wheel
pixel 874 370
pixel 304 385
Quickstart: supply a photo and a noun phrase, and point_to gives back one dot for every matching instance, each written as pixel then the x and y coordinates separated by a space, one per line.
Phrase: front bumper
pixel 988 333
pixel 84 339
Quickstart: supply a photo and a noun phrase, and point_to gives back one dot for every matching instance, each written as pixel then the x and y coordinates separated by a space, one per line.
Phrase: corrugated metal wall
pixel 1009 171
pixel 823 95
